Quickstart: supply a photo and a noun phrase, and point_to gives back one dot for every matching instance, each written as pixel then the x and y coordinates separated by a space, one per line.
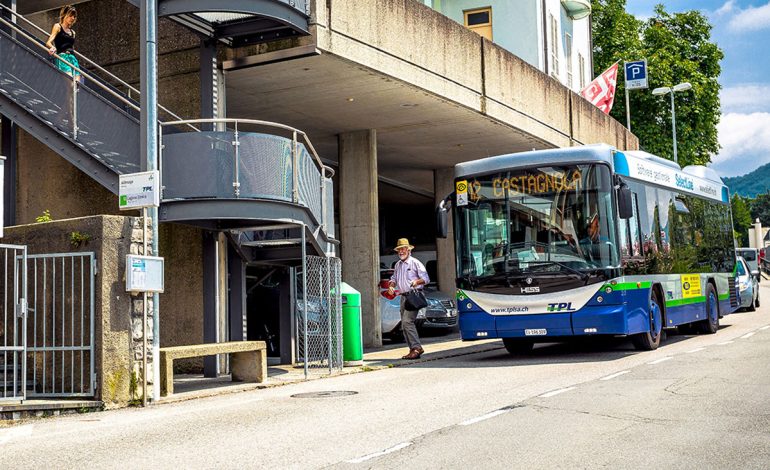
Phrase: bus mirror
pixel 625 207
pixel 442 217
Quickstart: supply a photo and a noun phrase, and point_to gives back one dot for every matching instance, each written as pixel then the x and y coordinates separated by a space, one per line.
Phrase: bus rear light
pixel 608 289
pixel 589 330
pixel 638 285
pixel 481 334
pixel 600 299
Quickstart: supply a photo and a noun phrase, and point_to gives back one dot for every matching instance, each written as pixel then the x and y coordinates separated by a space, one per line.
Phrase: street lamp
pixel 662 91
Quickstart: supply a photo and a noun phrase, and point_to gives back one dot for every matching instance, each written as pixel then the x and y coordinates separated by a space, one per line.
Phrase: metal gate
pixel 60 325
pixel 47 324
pixel 319 314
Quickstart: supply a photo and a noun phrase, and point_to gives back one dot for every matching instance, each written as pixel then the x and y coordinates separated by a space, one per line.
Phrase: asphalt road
pixel 697 402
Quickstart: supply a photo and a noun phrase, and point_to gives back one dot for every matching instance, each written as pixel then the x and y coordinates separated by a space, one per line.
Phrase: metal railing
pixel 13 323
pixel 232 163
pixel 127 99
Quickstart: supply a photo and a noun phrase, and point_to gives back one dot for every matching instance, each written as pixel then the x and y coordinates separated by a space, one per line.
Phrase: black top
pixel 64 42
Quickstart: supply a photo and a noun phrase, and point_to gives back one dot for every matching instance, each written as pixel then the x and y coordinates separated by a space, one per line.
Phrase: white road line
pixel 695 350
pixel 483 417
pixel 748 335
pixel 556 392
pixel 380 454
pixel 617 374
pixel 658 361
pixel 764 327
pixel 724 343
pixel 6 435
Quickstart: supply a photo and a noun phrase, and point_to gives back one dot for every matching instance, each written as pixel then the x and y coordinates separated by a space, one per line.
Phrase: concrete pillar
pixel 236 268
pixel 359 226
pixel 443 184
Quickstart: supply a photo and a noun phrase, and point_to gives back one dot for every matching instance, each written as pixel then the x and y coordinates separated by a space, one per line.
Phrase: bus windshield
pixel 549 221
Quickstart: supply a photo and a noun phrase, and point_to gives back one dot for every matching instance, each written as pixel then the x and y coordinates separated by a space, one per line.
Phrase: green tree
pixel 760 208
pixel 678 48
pixel 741 219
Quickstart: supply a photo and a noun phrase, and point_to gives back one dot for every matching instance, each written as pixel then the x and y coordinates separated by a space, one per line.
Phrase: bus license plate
pixel 536 332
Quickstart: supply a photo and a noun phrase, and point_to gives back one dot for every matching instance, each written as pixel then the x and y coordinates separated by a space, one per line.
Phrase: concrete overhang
pixel 437 93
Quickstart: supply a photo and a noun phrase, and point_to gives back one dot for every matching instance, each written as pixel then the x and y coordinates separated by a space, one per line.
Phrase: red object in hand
pixel 388 295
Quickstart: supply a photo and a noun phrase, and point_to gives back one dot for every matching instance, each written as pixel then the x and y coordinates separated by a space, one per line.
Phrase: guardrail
pixel 229 162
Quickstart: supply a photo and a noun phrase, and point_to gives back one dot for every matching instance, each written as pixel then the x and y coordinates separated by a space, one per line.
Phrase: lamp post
pixel 664 90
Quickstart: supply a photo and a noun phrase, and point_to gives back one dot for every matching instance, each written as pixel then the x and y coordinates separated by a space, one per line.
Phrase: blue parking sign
pixel 636 74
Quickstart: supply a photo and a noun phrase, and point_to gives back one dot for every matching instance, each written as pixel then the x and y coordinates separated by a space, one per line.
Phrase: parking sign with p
pixel 636 74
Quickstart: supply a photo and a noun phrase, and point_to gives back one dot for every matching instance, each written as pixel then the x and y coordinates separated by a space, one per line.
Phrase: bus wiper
pixel 583 276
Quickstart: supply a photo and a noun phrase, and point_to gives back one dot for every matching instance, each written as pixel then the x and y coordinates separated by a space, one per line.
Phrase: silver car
pixel 441 312
pixel 748 286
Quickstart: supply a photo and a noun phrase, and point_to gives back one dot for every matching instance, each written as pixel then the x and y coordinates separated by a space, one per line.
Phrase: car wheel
pixel 756 302
pixel 518 346
pixel 710 325
pixel 752 306
pixel 650 340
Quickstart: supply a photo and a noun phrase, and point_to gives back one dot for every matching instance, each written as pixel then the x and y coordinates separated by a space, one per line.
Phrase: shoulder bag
pixel 415 300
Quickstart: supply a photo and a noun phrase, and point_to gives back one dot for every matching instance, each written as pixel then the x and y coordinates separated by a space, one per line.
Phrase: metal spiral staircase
pixel 261 182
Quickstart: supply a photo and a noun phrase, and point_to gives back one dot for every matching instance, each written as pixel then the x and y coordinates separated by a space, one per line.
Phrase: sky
pixel 742 31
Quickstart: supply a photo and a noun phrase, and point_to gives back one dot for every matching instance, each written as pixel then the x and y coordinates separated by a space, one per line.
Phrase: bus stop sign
pixel 636 74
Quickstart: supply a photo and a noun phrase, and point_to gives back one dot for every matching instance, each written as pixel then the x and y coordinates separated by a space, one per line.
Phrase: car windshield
pixel 553 220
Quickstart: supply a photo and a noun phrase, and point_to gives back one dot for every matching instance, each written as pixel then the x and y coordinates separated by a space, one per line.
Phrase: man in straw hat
pixel 409 273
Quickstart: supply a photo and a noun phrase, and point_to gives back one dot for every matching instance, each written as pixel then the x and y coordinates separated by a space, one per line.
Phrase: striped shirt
pixel 407 271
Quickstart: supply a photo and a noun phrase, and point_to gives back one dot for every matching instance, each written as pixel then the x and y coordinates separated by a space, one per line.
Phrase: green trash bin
pixel 352 342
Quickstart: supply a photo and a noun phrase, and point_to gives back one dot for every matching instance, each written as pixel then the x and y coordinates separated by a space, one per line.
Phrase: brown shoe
pixel 419 350
pixel 413 354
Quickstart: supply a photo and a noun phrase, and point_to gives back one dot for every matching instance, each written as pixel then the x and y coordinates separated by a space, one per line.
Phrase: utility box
pixel 352 342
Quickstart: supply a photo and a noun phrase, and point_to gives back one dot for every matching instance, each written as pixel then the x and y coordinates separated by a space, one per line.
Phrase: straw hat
pixel 403 242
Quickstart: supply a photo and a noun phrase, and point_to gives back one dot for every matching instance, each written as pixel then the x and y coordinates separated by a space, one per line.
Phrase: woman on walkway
pixel 62 42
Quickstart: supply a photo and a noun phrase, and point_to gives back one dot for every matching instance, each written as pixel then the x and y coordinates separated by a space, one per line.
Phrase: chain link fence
pixel 319 315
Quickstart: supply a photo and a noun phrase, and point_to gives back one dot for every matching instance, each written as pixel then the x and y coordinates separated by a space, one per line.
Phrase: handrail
pixel 326 170
pixel 86 59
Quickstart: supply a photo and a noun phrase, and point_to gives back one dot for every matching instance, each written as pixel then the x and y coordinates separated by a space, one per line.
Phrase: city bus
pixel 565 243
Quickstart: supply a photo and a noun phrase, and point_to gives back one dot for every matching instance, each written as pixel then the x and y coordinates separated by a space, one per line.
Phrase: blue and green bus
pixel 564 243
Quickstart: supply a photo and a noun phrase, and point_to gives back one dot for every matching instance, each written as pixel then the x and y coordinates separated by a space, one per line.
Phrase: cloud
pixel 745 99
pixel 745 141
pixel 750 19
pixel 725 9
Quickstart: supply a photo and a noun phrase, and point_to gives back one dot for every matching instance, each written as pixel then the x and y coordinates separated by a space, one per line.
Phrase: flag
pixel 601 91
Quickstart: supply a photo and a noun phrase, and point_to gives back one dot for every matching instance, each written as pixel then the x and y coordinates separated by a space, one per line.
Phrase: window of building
pixel 554 46
pixel 480 21
pixel 568 56
pixel 582 71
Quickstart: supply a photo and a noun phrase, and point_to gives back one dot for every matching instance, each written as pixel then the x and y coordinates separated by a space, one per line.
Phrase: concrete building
pixel 552 35
pixel 389 113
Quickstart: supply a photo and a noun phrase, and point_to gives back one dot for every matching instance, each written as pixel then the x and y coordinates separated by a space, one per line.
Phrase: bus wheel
pixel 518 346
pixel 650 340
pixel 711 324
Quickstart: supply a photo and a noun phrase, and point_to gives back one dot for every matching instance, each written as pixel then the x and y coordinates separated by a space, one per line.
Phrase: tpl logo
pixel 561 307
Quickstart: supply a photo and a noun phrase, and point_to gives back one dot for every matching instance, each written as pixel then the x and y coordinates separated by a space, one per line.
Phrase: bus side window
pixel 630 239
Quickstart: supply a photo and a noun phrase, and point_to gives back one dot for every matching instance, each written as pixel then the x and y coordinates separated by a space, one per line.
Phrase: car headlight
pixel 421 313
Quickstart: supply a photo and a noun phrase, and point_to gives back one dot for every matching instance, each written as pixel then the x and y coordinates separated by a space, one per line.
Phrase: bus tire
pixel 650 340
pixel 710 325
pixel 518 346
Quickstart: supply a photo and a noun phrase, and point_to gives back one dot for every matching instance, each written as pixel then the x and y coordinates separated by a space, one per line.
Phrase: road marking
pixel 658 361
pixel 764 327
pixel 483 417
pixel 617 374
pixel 724 343
pixel 748 335
pixel 695 350
pixel 380 454
pixel 15 432
pixel 555 392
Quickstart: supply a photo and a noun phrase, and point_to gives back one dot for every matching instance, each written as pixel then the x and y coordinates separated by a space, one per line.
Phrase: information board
pixel 144 273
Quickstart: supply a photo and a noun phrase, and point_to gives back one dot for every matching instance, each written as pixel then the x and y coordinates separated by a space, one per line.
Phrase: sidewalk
pixel 188 387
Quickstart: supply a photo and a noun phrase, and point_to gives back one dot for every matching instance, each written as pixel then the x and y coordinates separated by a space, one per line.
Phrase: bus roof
pixel 635 164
